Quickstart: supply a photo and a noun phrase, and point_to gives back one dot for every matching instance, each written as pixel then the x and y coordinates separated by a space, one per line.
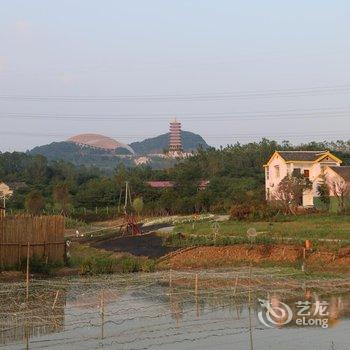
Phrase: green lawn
pixel 296 227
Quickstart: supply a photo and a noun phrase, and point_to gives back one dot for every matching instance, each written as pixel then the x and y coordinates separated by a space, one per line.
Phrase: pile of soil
pixel 202 257
pixel 149 245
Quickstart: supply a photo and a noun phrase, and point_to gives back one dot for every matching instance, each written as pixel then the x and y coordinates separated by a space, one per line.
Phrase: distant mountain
pixel 108 160
pixel 69 151
pixel 158 144
pixel 78 155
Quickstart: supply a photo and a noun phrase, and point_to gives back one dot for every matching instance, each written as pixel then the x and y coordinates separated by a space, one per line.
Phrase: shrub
pixel 34 203
pixel 253 211
pixel 98 265
pixel 205 240
pixel 71 223
pixel 91 215
pixel 240 211
pixel 129 264
pixel 147 265
pixel 39 265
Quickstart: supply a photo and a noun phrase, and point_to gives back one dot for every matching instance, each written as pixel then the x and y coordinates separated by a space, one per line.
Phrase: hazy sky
pixel 230 70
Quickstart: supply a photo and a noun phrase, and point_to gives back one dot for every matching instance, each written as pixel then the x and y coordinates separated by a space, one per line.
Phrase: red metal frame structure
pixel 131 225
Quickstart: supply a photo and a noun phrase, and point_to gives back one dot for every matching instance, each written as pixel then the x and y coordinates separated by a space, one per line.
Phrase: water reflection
pixel 40 315
pixel 182 311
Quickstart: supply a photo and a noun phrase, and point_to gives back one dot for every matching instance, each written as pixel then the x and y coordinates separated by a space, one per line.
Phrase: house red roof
pixel 161 184
pixel 202 185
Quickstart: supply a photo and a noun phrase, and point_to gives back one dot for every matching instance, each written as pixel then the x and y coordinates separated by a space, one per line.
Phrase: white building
pixel 311 164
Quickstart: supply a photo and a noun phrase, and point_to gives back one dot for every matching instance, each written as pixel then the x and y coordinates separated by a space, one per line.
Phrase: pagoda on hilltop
pixel 175 142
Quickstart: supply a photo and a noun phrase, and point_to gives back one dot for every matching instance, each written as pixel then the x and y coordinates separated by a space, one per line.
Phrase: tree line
pixel 235 173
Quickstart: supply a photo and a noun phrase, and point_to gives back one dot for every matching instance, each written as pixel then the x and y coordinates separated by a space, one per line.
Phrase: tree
pixel 290 192
pixel 137 204
pixel 61 197
pixel 323 191
pixel 341 190
pixel 34 203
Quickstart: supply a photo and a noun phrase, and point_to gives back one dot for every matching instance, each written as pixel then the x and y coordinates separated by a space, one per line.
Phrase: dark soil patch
pixel 149 245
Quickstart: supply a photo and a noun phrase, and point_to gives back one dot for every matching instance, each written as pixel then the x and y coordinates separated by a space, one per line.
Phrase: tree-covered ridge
pixel 235 173
pixel 190 142
pixel 75 154
pixel 107 160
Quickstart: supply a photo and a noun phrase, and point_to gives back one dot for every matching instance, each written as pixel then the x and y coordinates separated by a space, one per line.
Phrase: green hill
pixel 77 155
pixel 109 160
pixel 158 144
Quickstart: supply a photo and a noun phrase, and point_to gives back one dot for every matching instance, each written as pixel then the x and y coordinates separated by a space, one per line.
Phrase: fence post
pixel 55 300
pixel 27 275
pixel 65 253
pixel 19 254
pixel 196 295
pixel 102 305
pixel 236 283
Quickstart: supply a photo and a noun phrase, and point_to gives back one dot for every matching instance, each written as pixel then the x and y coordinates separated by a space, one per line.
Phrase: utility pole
pixel 127 196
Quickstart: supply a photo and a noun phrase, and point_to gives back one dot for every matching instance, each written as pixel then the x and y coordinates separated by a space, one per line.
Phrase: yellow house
pixel 311 164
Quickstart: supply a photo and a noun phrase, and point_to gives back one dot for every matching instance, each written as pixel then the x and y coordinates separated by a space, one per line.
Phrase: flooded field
pixel 239 309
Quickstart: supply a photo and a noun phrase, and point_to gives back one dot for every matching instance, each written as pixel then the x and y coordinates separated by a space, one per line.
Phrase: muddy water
pixel 213 310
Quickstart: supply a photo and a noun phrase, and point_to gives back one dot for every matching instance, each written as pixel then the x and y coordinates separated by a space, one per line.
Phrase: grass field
pixel 293 227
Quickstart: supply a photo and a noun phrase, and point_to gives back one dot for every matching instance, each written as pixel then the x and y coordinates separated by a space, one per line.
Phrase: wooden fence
pixel 45 235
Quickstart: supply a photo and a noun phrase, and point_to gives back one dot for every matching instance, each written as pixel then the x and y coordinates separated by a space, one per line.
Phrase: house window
pixel 277 170
pixel 267 173
pixel 306 173
pixel 296 172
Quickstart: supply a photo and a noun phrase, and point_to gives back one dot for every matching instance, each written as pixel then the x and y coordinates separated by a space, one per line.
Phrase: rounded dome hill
pixel 98 141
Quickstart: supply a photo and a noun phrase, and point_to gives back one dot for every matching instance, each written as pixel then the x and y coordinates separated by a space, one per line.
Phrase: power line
pixel 241 116
pixel 312 91
pixel 210 136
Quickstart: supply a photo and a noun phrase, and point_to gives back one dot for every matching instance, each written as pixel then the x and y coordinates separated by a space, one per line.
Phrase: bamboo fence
pixel 44 234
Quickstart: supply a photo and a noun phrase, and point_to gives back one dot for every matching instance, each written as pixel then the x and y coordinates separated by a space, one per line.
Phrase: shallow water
pixel 169 311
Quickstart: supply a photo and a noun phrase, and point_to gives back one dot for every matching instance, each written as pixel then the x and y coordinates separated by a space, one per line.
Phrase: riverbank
pixel 319 261
pixel 90 259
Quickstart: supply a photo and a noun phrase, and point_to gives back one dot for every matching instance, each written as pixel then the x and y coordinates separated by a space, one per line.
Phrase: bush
pixel 130 264
pixel 253 212
pixel 39 265
pixel 71 223
pixel 98 265
pixel 240 212
pixel 175 241
pixel 147 265
pixel 92 215
pixel 34 202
